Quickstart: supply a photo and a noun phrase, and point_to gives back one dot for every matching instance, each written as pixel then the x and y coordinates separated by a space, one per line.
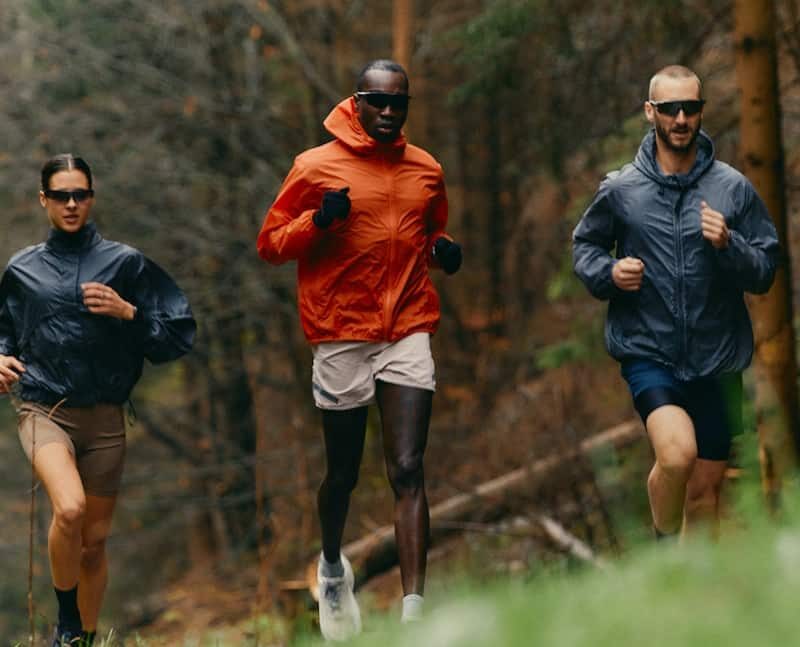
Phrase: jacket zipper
pixel 390 261
pixel 679 253
pixel 79 297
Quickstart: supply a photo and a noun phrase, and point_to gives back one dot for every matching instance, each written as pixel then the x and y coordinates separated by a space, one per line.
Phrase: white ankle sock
pixel 412 607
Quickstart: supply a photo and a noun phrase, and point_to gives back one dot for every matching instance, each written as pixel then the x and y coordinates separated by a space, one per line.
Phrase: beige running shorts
pixel 344 373
pixel 94 435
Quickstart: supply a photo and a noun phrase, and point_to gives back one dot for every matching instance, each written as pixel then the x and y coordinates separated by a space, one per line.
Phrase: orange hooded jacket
pixel 364 278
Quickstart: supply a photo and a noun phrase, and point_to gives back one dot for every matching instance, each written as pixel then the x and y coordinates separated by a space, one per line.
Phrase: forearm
pixel 280 240
pixel 753 268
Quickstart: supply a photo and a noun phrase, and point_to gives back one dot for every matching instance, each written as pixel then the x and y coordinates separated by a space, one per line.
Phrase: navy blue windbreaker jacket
pixel 690 313
pixel 68 352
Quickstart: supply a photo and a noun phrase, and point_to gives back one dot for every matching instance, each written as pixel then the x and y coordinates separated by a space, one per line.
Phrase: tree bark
pixel 403 24
pixel 762 162
pixel 402 30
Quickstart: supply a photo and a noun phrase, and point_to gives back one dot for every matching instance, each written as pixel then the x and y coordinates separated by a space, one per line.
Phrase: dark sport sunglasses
pixel 79 195
pixel 672 108
pixel 382 99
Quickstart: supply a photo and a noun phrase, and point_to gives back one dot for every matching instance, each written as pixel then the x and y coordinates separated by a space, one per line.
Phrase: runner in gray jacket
pixel 690 236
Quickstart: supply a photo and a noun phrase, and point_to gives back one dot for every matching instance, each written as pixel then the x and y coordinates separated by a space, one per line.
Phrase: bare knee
pixel 406 474
pixel 704 489
pixel 93 553
pixel 677 460
pixel 704 498
pixel 68 515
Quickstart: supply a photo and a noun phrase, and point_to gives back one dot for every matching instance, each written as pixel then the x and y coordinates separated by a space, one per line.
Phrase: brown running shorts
pixel 94 435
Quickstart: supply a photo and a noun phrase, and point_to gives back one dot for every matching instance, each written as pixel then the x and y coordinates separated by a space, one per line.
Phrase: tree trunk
pixel 403 22
pixel 402 30
pixel 762 162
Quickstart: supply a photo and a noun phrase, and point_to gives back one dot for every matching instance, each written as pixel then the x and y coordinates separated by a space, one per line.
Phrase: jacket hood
pixel 344 124
pixel 646 162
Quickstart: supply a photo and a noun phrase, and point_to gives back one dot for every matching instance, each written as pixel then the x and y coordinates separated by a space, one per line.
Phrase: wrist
pixel 320 220
pixel 131 313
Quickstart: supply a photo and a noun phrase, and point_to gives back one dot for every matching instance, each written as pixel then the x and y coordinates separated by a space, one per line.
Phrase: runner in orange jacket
pixel 364 216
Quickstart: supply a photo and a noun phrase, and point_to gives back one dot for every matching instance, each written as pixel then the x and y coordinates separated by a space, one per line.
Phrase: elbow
pixel 762 286
pixel 765 278
pixel 173 341
pixel 268 253
pixel 597 288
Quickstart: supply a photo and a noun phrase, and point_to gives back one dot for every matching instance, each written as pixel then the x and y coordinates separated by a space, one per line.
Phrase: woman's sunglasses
pixel 382 99
pixel 672 108
pixel 79 195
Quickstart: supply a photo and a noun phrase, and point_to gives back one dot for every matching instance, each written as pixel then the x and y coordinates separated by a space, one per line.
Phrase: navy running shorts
pixel 714 404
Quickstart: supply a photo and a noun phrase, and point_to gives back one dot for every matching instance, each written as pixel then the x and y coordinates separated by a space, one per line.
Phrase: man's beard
pixel 663 135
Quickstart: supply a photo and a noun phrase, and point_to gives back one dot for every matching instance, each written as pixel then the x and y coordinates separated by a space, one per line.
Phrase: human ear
pixel 648 111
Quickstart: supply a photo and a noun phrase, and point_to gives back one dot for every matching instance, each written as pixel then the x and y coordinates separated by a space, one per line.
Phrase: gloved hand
pixel 448 254
pixel 335 204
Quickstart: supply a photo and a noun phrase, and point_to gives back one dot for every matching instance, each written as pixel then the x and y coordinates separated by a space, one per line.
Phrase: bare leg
pixel 344 433
pixel 672 435
pixel 56 468
pixel 94 564
pixel 703 494
pixel 405 415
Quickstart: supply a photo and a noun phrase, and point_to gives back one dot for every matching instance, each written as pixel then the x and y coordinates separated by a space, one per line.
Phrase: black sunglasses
pixel 79 195
pixel 382 99
pixel 672 108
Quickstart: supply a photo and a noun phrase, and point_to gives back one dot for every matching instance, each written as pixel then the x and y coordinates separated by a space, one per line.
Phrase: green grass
pixel 741 592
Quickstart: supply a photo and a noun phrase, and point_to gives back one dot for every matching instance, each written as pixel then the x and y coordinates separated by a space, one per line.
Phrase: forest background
pixel 190 114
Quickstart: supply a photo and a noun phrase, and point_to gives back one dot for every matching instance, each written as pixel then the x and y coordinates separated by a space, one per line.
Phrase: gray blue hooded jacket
pixel 690 313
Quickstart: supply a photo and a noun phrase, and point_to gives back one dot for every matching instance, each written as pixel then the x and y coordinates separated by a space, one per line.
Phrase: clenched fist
pixel 715 231
pixel 627 274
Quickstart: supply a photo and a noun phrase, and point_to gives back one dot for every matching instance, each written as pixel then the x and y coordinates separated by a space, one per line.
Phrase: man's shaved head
pixel 674 72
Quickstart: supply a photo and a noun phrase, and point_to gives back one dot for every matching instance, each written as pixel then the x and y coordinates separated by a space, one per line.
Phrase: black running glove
pixel 448 254
pixel 335 204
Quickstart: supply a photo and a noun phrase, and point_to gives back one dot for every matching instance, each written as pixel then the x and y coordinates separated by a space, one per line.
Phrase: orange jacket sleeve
pixel 288 230
pixel 437 220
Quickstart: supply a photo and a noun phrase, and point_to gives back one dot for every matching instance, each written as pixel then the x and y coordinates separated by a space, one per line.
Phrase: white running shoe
pixel 339 617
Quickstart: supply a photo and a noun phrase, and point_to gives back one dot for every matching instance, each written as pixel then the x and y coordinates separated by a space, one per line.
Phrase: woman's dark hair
pixel 64 162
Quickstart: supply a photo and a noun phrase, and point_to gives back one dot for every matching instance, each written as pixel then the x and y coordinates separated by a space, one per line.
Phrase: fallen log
pixel 377 552
pixel 569 543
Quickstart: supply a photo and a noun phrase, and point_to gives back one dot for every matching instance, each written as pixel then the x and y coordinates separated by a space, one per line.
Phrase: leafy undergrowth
pixel 742 591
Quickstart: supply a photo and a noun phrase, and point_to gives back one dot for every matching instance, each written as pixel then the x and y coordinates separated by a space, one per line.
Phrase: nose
pixel 71 202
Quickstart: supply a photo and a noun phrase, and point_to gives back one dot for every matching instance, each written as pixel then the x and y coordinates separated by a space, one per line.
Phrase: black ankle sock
pixel 88 638
pixel 69 618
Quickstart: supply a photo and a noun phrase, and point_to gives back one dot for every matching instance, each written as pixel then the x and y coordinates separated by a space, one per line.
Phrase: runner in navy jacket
pixel 78 315
pixel 691 236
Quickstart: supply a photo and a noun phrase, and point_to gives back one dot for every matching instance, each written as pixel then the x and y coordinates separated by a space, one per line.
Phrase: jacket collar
pixel 63 241
pixel 646 162
pixel 344 124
